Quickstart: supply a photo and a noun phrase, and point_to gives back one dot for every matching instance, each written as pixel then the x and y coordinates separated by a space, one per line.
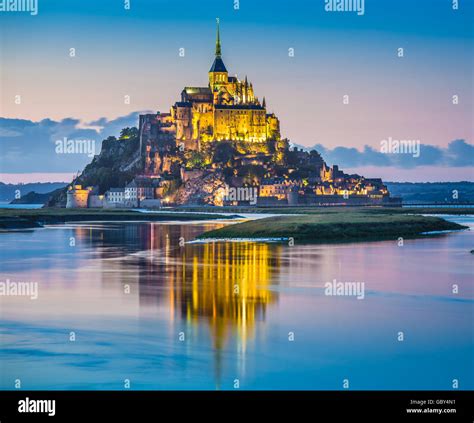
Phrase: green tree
pixel 127 133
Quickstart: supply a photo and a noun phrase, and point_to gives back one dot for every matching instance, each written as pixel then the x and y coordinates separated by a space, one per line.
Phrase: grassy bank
pixel 27 218
pixel 319 210
pixel 331 225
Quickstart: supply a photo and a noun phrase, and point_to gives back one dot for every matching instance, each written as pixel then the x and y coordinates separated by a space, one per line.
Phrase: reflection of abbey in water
pixel 226 284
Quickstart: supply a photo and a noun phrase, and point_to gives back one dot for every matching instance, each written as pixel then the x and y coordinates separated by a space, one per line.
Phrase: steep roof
pixel 218 65
pixel 197 90
pixel 183 104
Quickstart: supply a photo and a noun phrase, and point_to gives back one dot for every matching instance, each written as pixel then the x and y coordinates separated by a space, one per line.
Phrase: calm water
pixel 5 205
pixel 166 316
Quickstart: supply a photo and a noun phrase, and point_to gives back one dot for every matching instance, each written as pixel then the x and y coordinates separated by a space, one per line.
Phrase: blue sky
pixel 135 52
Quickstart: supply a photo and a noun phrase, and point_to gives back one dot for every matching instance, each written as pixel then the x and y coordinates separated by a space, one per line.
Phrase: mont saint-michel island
pixel 217 147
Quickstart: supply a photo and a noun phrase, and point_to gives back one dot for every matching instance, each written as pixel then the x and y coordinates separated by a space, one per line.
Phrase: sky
pixel 135 52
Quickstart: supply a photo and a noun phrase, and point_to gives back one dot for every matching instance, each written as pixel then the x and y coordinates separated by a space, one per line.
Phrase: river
pixel 136 305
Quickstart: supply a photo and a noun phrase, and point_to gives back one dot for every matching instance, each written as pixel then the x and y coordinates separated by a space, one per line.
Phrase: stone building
pixel 77 197
pixel 115 195
pixel 137 190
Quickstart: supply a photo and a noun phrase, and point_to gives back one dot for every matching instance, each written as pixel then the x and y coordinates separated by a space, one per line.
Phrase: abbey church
pixel 226 109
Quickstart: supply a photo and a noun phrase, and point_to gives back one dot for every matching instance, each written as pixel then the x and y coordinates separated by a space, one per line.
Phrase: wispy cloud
pixel 28 146
pixel 458 153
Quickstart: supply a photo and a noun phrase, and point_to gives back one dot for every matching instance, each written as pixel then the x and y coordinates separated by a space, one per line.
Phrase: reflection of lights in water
pixel 228 285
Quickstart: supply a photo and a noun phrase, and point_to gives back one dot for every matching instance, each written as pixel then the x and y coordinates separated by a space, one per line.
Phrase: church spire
pixel 218 40
pixel 218 73
pixel 264 103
